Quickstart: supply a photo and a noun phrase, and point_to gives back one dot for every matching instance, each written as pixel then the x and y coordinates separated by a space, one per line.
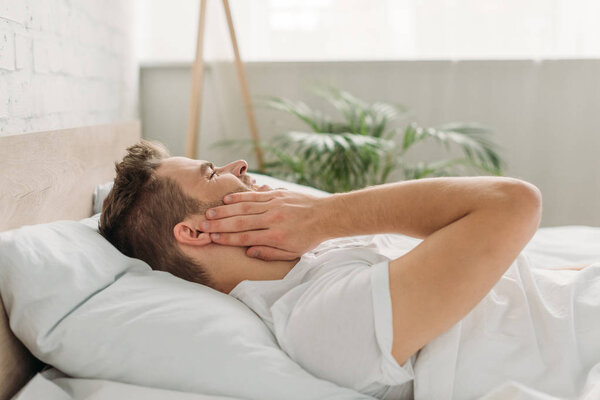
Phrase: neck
pixel 229 266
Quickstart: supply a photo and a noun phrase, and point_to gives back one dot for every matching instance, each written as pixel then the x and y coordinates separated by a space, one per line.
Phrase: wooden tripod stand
pixel 197 80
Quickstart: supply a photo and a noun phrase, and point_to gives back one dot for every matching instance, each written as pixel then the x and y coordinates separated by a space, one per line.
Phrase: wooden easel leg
pixel 196 90
pixel 244 86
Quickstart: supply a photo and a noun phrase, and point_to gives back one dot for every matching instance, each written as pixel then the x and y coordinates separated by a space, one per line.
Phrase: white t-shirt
pixel 332 314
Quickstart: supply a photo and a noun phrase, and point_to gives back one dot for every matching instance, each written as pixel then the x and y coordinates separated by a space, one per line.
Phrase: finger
pixel 235 224
pixel 204 238
pixel 250 238
pixel 249 196
pixel 231 210
pixel 271 253
pixel 264 188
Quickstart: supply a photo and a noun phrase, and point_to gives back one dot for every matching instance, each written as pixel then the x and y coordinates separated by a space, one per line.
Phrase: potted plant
pixel 362 148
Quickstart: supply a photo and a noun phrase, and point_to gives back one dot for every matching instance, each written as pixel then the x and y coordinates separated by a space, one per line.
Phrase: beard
pixel 203 206
pixel 247 181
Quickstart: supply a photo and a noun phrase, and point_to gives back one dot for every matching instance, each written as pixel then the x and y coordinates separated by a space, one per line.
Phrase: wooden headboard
pixel 49 176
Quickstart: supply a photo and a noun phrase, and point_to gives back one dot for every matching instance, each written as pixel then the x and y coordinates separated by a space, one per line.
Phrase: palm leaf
pixel 316 120
pixel 359 149
pixel 472 140
pixel 338 161
pixel 361 117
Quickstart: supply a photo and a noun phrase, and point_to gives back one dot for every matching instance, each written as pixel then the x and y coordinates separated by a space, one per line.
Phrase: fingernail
pixel 253 253
pixel 216 235
pixel 212 213
pixel 227 199
pixel 205 225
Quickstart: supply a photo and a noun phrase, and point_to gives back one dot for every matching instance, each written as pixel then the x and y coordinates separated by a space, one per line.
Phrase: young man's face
pixel 205 182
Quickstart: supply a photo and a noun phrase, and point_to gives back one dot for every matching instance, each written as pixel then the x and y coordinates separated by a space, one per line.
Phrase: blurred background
pixel 442 74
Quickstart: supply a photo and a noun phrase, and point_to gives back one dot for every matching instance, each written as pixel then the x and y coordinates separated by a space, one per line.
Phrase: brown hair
pixel 139 213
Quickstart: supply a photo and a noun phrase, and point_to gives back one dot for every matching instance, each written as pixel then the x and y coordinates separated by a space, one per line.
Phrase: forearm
pixel 283 225
pixel 414 208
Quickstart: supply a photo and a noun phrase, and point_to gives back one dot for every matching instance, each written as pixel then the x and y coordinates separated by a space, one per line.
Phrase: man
pixel 211 225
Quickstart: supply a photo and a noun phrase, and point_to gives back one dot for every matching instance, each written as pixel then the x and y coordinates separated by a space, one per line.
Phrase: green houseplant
pixel 362 148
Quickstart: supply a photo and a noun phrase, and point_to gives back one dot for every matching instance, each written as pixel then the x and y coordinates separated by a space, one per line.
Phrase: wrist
pixel 329 217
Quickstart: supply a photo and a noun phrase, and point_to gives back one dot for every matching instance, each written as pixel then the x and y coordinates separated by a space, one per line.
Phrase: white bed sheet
pixel 52 384
pixel 536 335
pixel 564 245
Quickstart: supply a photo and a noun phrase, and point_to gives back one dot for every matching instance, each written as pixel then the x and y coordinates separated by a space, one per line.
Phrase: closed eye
pixel 203 170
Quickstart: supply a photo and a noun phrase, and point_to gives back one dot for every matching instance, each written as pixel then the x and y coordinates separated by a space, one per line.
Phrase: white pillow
pixel 276 183
pixel 47 271
pixel 100 193
pixel 80 305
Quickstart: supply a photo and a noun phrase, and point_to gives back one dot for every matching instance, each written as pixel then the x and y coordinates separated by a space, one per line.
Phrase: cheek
pixel 226 186
pixel 233 183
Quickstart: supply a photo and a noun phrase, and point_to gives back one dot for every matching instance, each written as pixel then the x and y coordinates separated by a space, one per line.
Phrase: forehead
pixel 178 166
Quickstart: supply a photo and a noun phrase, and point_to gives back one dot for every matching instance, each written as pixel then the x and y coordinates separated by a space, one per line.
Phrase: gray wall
pixel 545 115
pixel 65 64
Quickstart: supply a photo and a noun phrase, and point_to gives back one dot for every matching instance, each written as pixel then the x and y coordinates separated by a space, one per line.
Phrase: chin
pixel 249 184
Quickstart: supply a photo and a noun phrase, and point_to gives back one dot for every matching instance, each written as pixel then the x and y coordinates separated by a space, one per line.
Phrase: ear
pixel 185 232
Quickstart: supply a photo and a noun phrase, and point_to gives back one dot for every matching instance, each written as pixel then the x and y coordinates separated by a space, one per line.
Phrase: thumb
pixel 264 188
pixel 271 253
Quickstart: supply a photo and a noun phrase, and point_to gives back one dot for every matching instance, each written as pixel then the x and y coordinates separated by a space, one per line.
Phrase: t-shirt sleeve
pixel 339 327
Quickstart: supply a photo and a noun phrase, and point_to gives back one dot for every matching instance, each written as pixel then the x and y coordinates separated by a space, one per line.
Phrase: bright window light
pixel 313 30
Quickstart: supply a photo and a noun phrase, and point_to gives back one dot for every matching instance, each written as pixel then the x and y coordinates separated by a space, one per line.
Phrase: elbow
pixel 523 200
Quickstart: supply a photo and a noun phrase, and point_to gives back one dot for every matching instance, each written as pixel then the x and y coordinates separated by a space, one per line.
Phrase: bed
pixel 38 170
pixel 51 176
pixel 48 182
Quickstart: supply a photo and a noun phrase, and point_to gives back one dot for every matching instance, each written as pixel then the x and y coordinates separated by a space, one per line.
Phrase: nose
pixel 238 168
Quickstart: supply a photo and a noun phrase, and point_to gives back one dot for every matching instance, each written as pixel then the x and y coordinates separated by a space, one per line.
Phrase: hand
pixel 276 224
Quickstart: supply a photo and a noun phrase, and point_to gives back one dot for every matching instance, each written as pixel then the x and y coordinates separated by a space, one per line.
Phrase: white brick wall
pixel 66 63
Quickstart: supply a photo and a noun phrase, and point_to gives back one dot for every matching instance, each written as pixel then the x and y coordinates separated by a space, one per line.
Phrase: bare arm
pixel 283 224
pixel 437 283
pixel 414 208
pixel 473 229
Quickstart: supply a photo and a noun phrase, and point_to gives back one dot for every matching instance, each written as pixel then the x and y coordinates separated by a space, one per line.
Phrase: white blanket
pixel 536 335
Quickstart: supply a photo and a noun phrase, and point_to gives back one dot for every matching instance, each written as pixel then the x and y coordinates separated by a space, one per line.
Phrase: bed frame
pixel 44 177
